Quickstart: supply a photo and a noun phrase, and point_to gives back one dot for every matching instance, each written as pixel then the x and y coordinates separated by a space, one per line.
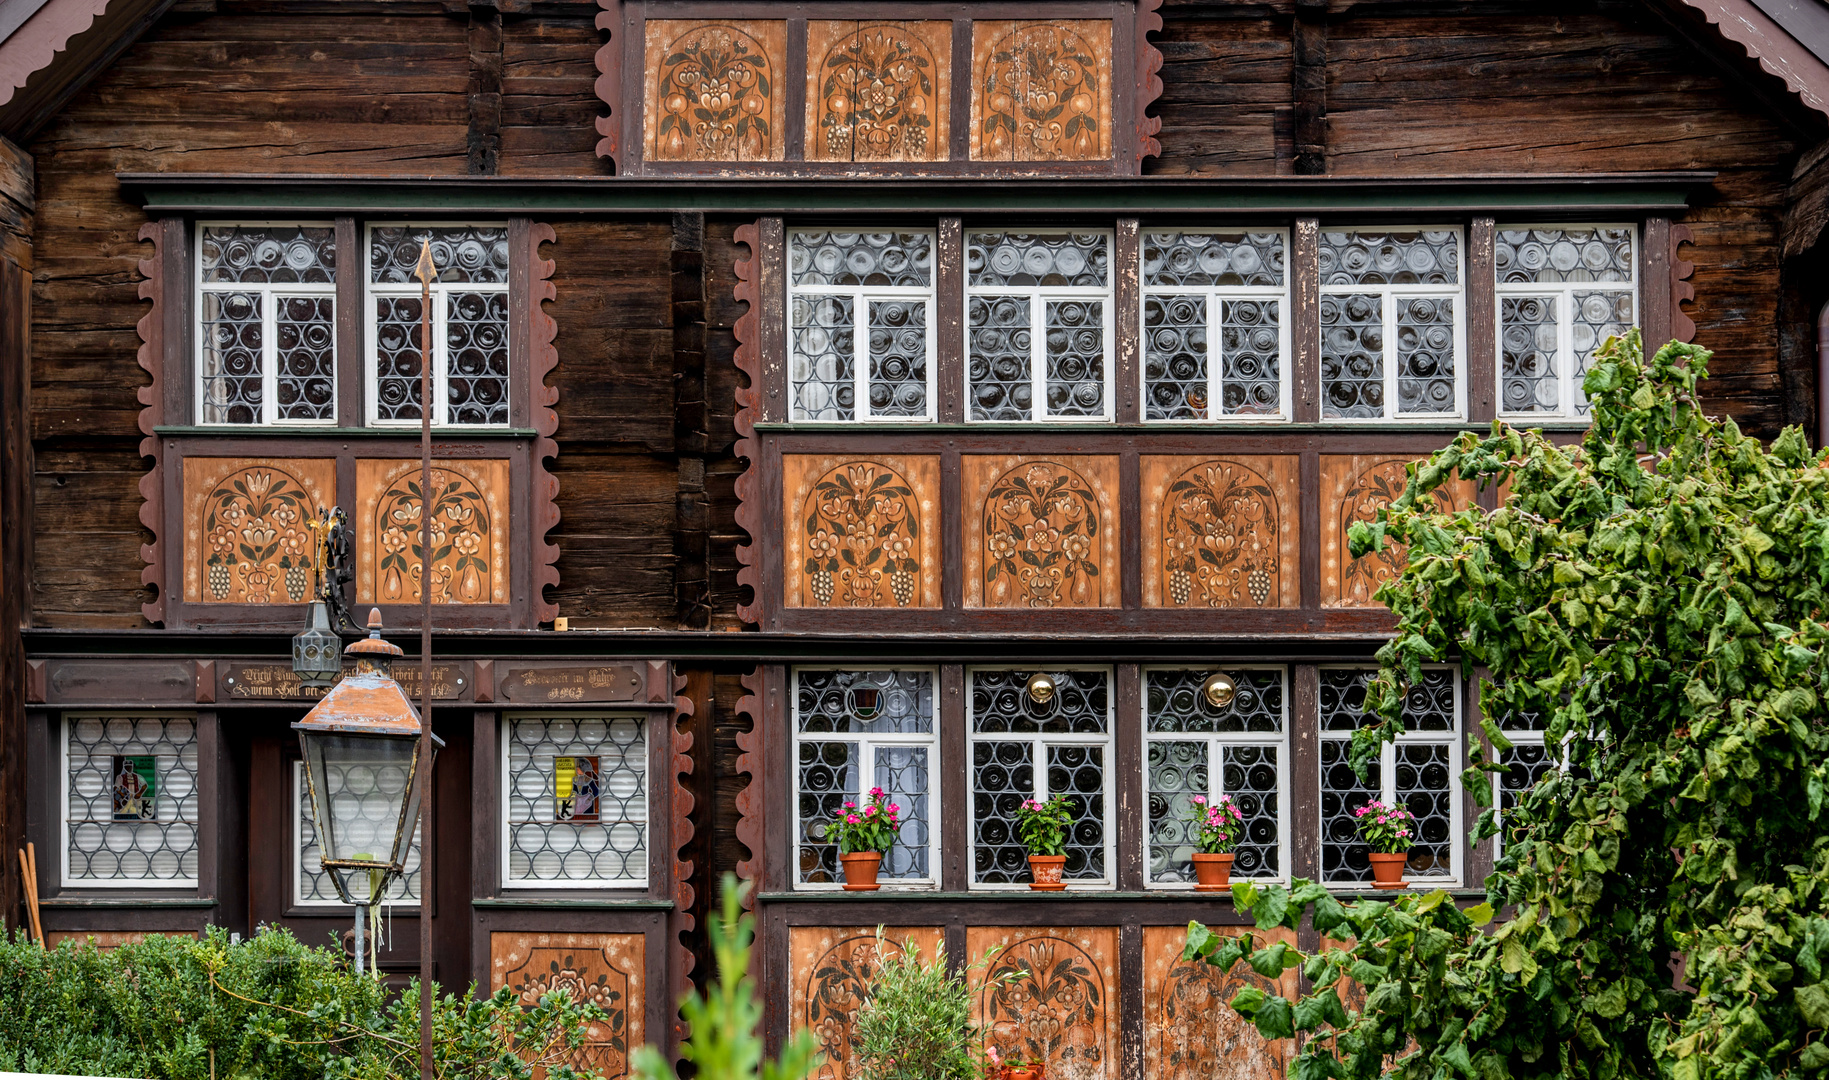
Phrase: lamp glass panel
pixel 363 787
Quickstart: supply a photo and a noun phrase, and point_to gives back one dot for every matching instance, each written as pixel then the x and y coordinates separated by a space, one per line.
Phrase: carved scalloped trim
pixel 151 356
pixel 1682 291
pixel 1740 22
pixel 751 800
pixel 749 405
pixel 1149 80
pixel 544 329
pixel 683 922
pixel 609 82
pixel 34 45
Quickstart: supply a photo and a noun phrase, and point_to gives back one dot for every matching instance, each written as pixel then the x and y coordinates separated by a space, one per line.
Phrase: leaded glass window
pixel 857 730
pixel 1562 291
pixel 861 325
pixel 1192 748
pixel 312 886
pixel 575 796
pixel 1392 322
pixel 1038 325
pixel 130 801
pixel 1528 762
pixel 1417 771
pixel 266 341
pixel 1022 749
pixel 470 372
pixel 1215 327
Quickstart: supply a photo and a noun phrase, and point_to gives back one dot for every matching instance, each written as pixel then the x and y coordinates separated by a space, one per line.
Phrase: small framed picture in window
pixel 576 788
pixel 136 787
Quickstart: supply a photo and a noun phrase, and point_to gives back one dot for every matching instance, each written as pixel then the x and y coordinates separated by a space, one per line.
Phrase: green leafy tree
pixel 725 1041
pixel 1657 593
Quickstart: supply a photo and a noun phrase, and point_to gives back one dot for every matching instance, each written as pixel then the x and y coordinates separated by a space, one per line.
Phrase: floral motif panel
pixel 1221 532
pixel 1354 488
pixel 605 970
pixel 878 91
pixel 470 527
pixel 1062 1009
pixel 831 973
pixel 861 532
pixel 1040 532
pixel 1190 1033
pixel 714 90
pixel 245 534
pixel 1041 91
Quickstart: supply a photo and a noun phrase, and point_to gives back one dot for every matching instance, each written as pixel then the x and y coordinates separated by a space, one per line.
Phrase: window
pixel 1562 291
pixel 130 801
pixel 1038 323
pixel 857 730
pixel 1391 324
pixel 312 886
pixel 1196 749
pixel 1418 771
pixel 1023 749
pixel 266 298
pixel 1529 761
pixel 886 279
pixel 575 802
pixel 1215 334
pixel 469 323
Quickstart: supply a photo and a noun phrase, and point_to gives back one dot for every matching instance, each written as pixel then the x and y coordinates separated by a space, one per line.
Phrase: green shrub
pixel 176 1008
pixel 917 1024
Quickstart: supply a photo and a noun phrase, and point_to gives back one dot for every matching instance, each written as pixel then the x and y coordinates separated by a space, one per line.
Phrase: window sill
pixel 1156 895
pixel 261 430
pixel 127 902
pixel 535 903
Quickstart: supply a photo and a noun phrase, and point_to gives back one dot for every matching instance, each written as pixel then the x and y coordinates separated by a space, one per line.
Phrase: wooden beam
pixel 1310 90
pixel 692 521
pixel 485 90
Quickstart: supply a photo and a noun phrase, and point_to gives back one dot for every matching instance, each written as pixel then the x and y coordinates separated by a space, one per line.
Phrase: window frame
pixel 1108 739
pixel 1039 296
pixel 861 296
pixel 1568 384
pixel 505 827
pixel 65 721
pixel 1215 296
pixel 441 345
pixel 1388 310
pixel 296 899
pixel 1215 787
pixel 269 337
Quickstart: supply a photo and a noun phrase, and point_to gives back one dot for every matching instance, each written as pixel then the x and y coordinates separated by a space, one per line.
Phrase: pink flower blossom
pixel 851 819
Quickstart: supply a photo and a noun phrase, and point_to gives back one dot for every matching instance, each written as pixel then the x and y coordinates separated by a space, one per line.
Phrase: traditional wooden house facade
pixel 832 369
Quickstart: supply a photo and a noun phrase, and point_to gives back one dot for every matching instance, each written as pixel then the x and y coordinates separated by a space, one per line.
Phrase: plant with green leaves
pixel 1042 826
pixel 917 1022
pixel 725 1040
pixel 1655 596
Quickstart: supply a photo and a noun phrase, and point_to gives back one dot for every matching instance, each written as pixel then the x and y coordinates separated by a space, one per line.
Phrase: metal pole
pixel 426 271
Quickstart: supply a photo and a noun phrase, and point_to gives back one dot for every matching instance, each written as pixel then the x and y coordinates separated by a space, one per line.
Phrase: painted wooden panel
pixel 861 531
pixel 831 969
pixel 470 531
pixel 1040 532
pixel 878 91
pixel 1041 91
pixel 1353 488
pixel 1063 1007
pixel 714 90
pixel 605 970
pixel 109 939
pixel 1221 532
pixel 246 539
pixel 1189 1032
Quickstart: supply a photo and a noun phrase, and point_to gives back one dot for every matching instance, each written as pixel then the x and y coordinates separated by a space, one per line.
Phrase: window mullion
pixel 1038 357
pixel 269 355
pixel 1216 355
pixel 1388 311
pixel 860 355
pixel 1565 347
pixel 440 314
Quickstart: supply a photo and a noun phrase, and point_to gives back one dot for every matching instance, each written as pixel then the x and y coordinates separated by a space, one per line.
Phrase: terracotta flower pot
pixel 1022 1074
pixel 1212 873
pixel 1045 872
pixel 1388 870
pixel 860 870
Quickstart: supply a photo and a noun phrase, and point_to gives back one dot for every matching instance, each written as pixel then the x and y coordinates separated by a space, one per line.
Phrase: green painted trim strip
pixel 1071 895
pixel 260 432
pixel 572 905
pixel 125 904
pixel 1431 428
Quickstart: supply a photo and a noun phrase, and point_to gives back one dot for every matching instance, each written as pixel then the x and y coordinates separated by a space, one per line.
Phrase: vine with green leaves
pixel 1658 593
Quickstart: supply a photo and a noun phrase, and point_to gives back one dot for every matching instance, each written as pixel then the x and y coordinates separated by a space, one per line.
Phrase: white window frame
pixel 1563 292
pixel 866 743
pixel 1038 758
pixel 1039 297
pixel 504 736
pixel 1389 295
pixel 1215 770
pixel 860 297
pixel 299 800
pixel 1387 778
pixel 64 877
pixel 1215 296
pixel 270 293
pixel 441 345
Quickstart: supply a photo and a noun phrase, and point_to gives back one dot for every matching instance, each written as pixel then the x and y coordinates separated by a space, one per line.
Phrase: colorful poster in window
pixel 135 787
pixel 577 783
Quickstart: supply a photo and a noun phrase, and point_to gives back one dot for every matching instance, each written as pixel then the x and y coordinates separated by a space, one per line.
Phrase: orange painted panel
pixel 879 91
pixel 1221 532
pixel 246 539
pixel 860 531
pixel 1041 532
pixel 1063 1008
pixel 1189 1032
pixel 714 90
pixel 1041 91
pixel 606 970
pixel 1353 488
pixel 470 528
pixel 831 969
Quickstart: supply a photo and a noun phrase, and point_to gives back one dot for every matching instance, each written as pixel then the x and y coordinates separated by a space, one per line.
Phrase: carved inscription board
pixel 558 684
pixel 278 682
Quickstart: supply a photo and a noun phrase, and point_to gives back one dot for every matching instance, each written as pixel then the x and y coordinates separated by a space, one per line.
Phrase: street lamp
pixel 366 774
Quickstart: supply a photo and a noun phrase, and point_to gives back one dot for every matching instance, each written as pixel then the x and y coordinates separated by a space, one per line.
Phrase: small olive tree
pixel 1658 593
